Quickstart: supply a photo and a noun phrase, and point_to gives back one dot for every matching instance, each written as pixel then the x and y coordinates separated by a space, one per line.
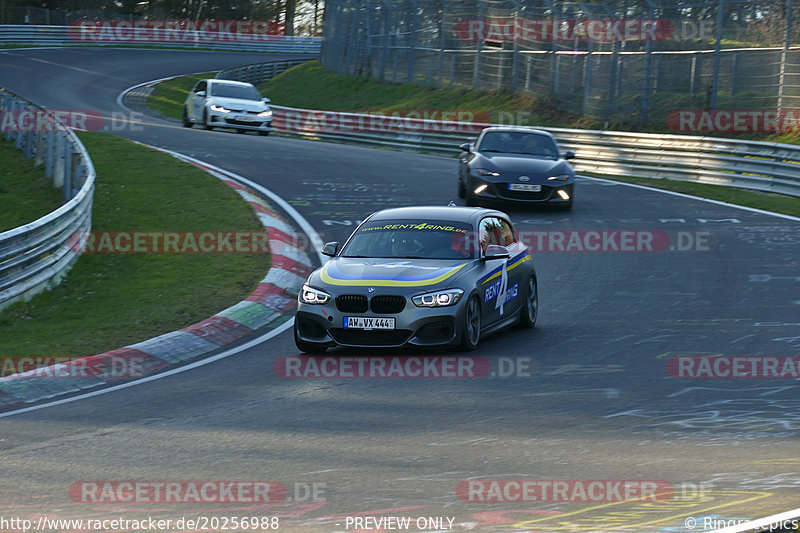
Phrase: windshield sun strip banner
pixel 332 275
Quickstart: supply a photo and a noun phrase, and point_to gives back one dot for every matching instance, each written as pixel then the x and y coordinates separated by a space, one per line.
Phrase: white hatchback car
pixel 227 104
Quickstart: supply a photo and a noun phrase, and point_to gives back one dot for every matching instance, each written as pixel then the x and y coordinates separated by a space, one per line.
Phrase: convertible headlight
pixel 265 114
pixel 484 172
pixel 560 177
pixel 219 109
pixel 310 295
pixel 438 298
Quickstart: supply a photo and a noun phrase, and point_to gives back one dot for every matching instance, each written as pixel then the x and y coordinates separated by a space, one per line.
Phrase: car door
pixel 494 282
pixel 516 266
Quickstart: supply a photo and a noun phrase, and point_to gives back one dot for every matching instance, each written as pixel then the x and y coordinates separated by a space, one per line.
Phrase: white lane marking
pixel 762 523
pixel 298 218
pixel 689 196
pixel 190 366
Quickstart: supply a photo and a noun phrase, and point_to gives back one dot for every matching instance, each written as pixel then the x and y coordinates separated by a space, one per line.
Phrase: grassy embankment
pixel 111 300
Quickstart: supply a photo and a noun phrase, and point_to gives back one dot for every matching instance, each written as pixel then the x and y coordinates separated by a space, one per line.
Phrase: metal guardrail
pixel 31 35
pixel 35 256
pixel 258 72
pixel 761 166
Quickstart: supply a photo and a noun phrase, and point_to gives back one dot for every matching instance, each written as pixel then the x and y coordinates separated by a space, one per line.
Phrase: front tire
pixel 461 189
pixel 307 347
pixel 471 330
pixel 263 133
pixel 530 309
pixel 206 125
pixel 186 122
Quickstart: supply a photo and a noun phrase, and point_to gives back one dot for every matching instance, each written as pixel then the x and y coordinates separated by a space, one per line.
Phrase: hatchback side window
pixel 200 87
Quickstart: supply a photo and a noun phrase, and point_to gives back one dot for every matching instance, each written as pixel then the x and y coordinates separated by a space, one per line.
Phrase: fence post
pixel 712 104
pixel 648 59
pixel 784 56
pixel 612 85
pixel 515 53
pixel 587 79
pixel 734 73
pixel 442 43
pixel 412 43
pixel 477 66
pixel 384 40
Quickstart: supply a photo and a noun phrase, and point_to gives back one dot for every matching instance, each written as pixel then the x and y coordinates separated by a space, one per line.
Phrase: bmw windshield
pixel 411 239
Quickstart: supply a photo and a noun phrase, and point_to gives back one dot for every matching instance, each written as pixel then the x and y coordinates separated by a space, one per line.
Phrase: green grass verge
pixel 312 87
pixel 111 300
pixel 24 187
pixel 769 202
pixel 168 96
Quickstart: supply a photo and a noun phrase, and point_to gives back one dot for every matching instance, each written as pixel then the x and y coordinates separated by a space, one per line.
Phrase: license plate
pixel 364 322
pixel 245 118
pixel 526 187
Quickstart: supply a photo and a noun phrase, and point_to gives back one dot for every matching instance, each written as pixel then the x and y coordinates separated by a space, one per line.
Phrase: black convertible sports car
pixel 517 165
pixel 423 276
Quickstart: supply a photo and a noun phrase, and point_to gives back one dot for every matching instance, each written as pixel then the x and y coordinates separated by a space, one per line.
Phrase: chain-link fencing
pixel 622 61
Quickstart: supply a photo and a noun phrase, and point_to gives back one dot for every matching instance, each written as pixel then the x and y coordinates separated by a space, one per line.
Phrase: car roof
pixel 228 82
pixel 437 212
pixel 517 129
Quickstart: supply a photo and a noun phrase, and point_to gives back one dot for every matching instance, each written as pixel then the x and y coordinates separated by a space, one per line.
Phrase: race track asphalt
pixel 591 398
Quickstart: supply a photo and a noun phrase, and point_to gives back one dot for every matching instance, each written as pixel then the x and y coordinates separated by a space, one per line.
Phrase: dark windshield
pixel 519 142
pixel 243 92
pixel 412 239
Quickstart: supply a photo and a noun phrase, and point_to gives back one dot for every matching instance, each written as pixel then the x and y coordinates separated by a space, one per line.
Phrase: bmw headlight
pixel 484 172
pixel 310 295
pixel 438 298
pixel 560 177
pixel 265 114
pixel 219 109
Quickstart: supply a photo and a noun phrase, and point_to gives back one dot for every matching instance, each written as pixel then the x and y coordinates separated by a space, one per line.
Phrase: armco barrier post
pixel 41 147
pixel 50 154
pixel 67 158
pixel 19 140
pixel 58 157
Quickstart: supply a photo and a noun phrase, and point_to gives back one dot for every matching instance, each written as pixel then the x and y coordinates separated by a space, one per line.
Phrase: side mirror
pixel 201 93
pixel 495 251
pixel 569 155
pixel 266 100
pixel 330 248
pixel 466 147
